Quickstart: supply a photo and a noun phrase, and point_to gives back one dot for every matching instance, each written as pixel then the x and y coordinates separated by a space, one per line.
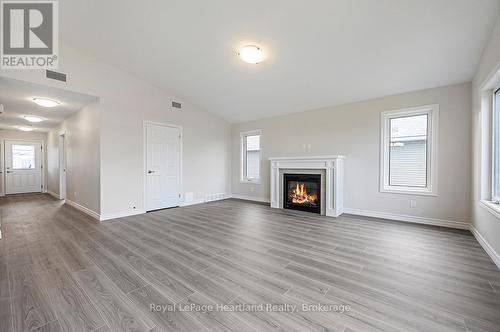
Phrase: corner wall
pixel 354 130
pixel 82 135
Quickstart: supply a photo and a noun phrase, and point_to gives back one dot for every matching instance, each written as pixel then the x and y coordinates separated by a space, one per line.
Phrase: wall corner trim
pixel 486 246
pixel 408 218
pixel 84 209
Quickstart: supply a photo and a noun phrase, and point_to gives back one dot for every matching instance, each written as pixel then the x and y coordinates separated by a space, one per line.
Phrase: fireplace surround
pixel 331 169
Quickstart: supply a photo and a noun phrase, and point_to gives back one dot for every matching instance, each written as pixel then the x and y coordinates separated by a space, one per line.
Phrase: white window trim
pixel 243 156
pixel 487 89
pixel 432 111
pixel 493 199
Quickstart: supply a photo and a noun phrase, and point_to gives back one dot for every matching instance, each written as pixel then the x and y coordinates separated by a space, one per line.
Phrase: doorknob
pixel 7 172
pixel 149 172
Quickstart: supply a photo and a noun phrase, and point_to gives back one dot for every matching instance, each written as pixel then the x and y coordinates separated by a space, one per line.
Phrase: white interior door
pixel 23 167
pixel 163 162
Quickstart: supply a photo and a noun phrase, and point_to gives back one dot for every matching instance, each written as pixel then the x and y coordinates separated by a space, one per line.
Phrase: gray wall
pixel 354 130
pixel 125 102
pixel 486 223
pixel 82 135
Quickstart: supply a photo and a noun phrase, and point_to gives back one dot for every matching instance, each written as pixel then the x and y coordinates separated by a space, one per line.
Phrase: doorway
pixel 163 149
pixel 62 166
pixel 23 166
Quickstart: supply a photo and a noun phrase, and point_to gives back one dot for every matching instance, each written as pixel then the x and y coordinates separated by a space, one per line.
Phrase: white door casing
pixel 62 166
pixel 2 170
pixel 163 166
pixel 23 172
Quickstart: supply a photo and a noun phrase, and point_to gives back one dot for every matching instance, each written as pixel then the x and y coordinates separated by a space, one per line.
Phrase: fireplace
pixel 302 192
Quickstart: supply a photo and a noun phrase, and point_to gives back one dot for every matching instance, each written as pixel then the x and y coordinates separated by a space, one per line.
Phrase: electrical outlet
pixel 413 203
pixel 252 189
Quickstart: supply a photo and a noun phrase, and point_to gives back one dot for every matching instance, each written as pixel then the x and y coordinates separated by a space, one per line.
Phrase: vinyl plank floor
pixel 60 270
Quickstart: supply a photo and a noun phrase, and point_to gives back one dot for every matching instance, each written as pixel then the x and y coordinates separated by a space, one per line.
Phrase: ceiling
pixel 318 53
pixel 17 98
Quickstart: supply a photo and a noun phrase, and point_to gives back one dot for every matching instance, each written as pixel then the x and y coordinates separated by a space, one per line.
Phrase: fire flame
pixel 299 195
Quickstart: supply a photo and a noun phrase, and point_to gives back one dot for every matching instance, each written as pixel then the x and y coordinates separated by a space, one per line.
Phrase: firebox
pixel 302 192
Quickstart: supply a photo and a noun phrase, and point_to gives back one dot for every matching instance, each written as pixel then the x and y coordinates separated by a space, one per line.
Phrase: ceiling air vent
pixel 55 75
pixel 176 105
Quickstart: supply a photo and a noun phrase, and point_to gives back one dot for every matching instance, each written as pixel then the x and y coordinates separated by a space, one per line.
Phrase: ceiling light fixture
pixel 251 54
pixel 31 118
pixel 25 128
pixel 45 102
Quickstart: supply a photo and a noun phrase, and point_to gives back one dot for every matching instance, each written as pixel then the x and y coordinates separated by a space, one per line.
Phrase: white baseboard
pixel 407 218
pixel 193 202
pixel 82 208
pixel 121 214
pixel 251 198
pixel 486 246
pixel 53 194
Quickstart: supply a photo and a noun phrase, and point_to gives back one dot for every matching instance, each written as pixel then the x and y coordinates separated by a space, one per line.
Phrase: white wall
pixel 82 134
pixel 354 130
pixel 22 135
pixel 485 222
pixel 125 101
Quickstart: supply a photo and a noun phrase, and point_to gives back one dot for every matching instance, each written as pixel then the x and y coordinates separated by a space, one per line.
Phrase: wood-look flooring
pixel 62 271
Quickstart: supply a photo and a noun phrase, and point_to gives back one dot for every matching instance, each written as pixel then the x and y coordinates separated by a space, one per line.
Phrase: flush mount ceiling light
pixel 25 128
pixel 31 118
pixel 251 54
pixel 45 102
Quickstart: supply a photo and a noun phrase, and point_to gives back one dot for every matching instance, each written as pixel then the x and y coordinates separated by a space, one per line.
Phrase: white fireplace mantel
pixel 334 182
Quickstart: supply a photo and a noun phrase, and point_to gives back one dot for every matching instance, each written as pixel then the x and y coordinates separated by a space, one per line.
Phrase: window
pixel 408 151
pixel 496 147
pixel 23 156
pixel 250 156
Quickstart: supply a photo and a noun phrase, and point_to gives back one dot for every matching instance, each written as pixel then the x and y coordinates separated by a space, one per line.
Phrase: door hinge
pixel 179 135
pixel 179 195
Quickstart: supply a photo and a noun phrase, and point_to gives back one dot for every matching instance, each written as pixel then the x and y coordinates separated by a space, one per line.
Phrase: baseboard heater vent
pixel 214 197
pixel 54 75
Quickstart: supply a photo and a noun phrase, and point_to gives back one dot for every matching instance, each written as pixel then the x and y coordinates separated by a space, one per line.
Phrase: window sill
pixel 250 181
pixel 408 192
pixel 491 207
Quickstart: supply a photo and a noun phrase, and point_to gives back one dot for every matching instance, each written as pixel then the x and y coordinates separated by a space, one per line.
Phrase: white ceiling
pixel 17 98
pixel 319 53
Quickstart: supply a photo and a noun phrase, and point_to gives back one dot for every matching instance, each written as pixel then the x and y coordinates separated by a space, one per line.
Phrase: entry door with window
pixel 163 162
pixel 23 167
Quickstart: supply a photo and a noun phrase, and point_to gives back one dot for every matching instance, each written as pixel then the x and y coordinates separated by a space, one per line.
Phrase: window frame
pixel 243 157
pixel 23 168
pixel 432 112
pixel 496 90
